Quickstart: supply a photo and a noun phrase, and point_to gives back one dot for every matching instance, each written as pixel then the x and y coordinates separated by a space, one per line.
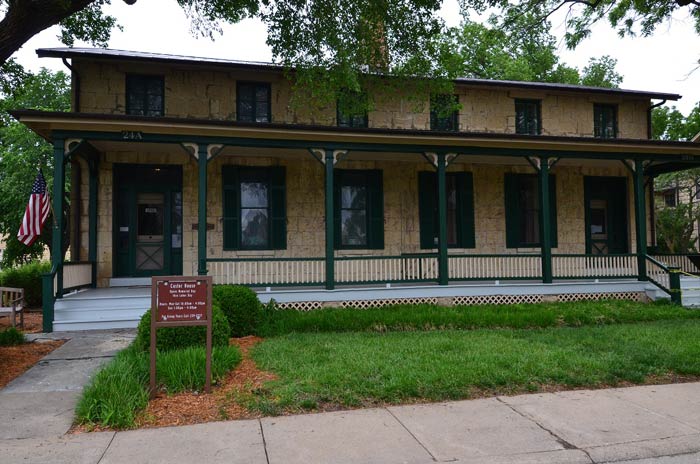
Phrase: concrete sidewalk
pixel 617 425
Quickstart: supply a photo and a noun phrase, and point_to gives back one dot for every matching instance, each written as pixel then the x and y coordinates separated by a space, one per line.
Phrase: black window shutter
pixel 337 179
pixel 465 211
pixel 427 201
pixel 278 209
pixel 375 239
pixel 231 208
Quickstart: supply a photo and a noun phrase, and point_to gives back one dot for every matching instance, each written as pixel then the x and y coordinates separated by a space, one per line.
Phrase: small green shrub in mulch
pixel 241 306
pixel 11 336
pixel 172 338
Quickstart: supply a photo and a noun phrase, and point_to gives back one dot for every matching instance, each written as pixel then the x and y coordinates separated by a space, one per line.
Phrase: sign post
pixel 178 301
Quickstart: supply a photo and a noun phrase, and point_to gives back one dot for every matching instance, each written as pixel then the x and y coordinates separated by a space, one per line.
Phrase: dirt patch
pixel 221 404
pixel 32 322
pixel 15 360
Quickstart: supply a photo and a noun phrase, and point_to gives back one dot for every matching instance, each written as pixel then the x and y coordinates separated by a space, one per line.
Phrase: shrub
pixel 28 277
pixel 171 338
pixel 241 307
pixel 11 336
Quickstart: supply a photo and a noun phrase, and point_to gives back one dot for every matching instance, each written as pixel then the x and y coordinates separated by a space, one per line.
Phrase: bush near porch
pixel 172 338
pixel 28 277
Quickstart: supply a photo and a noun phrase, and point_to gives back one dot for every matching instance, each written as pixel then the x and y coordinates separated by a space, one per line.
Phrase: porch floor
pixel 122 307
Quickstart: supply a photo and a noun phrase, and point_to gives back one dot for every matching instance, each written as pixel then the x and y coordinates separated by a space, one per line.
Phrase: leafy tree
pixel 671 124
pixel 22 152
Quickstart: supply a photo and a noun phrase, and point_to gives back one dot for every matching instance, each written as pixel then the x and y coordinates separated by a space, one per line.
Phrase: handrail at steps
pixel 667 278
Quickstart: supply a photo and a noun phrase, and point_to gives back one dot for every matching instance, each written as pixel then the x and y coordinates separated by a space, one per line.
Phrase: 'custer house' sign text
pixel 181 301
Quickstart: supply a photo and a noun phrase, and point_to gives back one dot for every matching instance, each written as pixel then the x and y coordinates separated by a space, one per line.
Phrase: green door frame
pixel 132 190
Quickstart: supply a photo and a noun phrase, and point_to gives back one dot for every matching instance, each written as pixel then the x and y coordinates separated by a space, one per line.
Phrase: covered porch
pixel 306 273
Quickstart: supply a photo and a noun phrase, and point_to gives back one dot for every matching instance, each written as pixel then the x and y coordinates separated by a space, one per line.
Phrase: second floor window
pixel 253 102
pixel 443 113
pixel 528 119
pixel 605 121
pixel 144 95
pixel 352 110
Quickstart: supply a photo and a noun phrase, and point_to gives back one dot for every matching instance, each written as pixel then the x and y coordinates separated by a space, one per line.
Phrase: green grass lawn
pixel 354 369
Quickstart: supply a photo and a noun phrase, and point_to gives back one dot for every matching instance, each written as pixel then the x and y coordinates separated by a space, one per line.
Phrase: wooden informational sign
pixel 178 301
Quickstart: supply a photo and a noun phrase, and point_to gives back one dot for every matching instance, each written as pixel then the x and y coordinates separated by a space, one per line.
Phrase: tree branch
pixel 25 18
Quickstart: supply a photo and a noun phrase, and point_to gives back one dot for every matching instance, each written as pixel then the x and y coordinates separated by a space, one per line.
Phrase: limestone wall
pixel 305 206
pixel 205 94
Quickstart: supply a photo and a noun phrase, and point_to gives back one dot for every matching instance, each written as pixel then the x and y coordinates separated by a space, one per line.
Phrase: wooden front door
pixel 147 220
pixel 606 215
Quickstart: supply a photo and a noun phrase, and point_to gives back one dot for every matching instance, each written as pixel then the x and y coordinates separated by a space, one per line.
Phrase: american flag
pixel 36 213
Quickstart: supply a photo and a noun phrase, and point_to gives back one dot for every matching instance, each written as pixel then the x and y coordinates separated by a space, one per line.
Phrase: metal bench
pixel 12 302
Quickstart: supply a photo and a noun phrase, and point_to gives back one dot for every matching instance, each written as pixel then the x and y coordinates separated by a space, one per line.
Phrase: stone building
pixel 202 166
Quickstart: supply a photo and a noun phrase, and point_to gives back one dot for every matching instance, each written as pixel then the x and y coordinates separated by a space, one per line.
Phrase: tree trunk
pixel 25 18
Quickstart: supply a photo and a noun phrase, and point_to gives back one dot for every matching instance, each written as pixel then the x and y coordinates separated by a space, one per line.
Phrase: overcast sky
pixel 660 63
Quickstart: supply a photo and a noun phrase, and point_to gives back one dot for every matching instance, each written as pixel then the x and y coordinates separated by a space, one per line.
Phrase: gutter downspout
pixel 76 87
pixel 655 105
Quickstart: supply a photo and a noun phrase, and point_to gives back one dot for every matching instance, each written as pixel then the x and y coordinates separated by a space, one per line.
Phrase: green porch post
pixel 59 181
pixel 443 268
pixel 545 221
pixel 330 214
pixel 92 219
pixel 640 220
pixel 202 209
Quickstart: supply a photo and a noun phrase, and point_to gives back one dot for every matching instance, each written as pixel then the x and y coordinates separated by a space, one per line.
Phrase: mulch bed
pixel 221 404
pixel 32 322
pixel 15 360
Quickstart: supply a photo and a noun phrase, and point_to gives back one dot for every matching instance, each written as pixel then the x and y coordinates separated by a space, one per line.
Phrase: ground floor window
pixel 460 209
pixel 359 209
pixel 254 208
pixel 522 203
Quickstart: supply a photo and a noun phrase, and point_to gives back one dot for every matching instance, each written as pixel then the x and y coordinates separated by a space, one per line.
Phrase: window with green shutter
pixel 460 209
pixel 254 208
pixel 528 118
pixel 359 209
pixel 522 204
pixel 605 121
pixel 253 102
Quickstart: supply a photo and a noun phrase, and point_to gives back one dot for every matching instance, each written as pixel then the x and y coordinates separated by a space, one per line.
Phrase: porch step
pixel 690 288
pixel 130 282
pixel 105 308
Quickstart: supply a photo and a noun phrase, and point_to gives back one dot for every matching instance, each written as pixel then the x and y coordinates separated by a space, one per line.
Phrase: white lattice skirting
pixel 463 300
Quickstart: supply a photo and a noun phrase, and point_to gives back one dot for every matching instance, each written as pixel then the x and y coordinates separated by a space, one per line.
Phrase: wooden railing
pixel 494 267
pixel 386 269
pixel 268 272
pixel 594 266
pixel 659 274
pixel 681 261
pixel 76 275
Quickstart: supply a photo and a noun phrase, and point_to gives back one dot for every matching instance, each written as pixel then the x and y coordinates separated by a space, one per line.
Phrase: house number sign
pixel 180 301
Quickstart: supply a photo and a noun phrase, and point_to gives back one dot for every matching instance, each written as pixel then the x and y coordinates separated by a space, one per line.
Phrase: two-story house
pixel 527 192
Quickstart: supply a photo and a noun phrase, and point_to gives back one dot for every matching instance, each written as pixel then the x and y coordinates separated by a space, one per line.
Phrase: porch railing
pixel 579 266
pixel 268 272
pixel 61 279
pixel 76 275
pixel 386 269
pixel 667 278
pixel 494 267
pixel 681 261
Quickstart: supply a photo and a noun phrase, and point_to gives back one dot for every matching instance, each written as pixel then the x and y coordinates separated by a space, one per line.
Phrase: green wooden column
pixel 330 214
pixel 640 220
pixel 92 218
pixel 545 221
pixel 202 210
pixel 59 183
pixel 443 267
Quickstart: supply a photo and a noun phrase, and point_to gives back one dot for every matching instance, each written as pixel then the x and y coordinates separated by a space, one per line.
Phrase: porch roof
pixel 125 128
